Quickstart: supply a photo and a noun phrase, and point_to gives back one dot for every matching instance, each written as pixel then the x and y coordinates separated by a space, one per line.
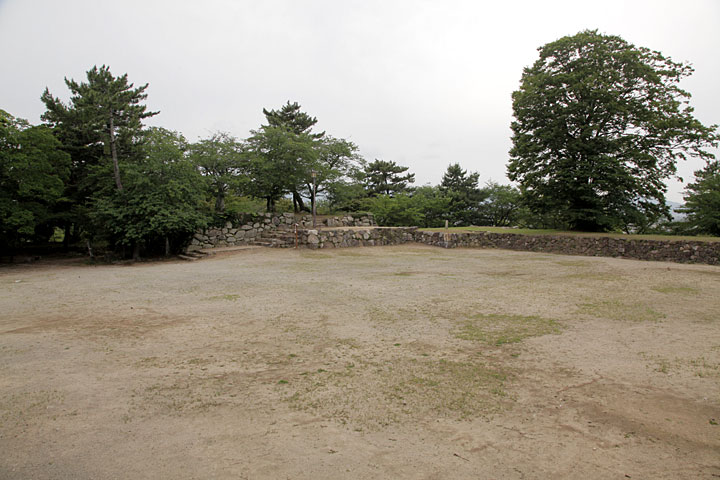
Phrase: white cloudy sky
pixel 423 83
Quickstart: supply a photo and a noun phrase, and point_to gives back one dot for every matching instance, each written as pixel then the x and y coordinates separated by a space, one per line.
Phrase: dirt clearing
pixel 384 362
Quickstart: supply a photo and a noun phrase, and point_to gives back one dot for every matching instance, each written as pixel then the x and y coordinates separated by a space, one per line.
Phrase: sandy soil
pixel 385 362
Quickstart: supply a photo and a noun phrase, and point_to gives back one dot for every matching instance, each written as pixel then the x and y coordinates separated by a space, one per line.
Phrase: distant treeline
pixel 599 126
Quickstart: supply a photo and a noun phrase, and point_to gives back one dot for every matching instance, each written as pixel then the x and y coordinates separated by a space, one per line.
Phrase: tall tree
pixel 161 202
pixel 599 125
pixel 336 162
pixel 292 118
pixel 500 205
pixel 463 193
pixel 33 169
pixel 702 200
pixel 221 161
pixel 386 178
pixel 108 108
pixel 279 160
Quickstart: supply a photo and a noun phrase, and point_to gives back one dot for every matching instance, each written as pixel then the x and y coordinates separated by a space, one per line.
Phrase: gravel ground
pixel 378 362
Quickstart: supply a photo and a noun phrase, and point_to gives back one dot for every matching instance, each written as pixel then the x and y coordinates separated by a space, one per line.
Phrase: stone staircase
pixel 280 238
pixel 195 255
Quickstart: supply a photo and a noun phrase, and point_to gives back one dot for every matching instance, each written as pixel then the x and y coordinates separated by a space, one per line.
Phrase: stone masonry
pixel 272 230
pixel 360 230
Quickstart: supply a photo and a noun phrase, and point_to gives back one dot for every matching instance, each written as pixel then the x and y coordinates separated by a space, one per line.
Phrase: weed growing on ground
pixel 500 329
pixel 228 296
pixel 620 311
pixel 573 263
pixel 403 389
pixel 676 289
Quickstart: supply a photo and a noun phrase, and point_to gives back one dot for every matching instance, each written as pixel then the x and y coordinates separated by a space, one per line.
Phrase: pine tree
pixel 385 178
pixel 106 109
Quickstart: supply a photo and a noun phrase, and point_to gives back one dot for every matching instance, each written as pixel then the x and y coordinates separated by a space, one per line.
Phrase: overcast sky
pixel 423 83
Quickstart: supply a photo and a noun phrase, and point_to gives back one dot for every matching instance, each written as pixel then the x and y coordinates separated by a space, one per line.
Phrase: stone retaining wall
pixel 260 228
pixel 339 238
pixel 679 251
pixel 277 230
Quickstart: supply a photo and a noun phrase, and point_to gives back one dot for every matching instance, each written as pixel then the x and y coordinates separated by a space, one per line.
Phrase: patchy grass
pixel 676 289
pixel 590 276
pixel 572 263
pixel 368 395
pixel 20 409
pixel 620 311
pixel 315 255
pixel 231 297
pixel 699 366
pixel 500 329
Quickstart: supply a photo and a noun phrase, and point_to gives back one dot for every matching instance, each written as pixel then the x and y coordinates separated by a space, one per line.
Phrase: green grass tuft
pixel 617 310
pixel 500 329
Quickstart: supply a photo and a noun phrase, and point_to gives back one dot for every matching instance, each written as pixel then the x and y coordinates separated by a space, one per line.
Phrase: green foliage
pixel 287 158
pixel 299 123
pixel 291 117
pixel 425 207
pixel 101 129
pixel 278 161
pixel 501 205
pixel 385 178
pixel 463 193
pixel 599 125
pixel 221 162
pixel 702 200
pixel 33 170
pixel 399 210
pixel 337 162
pixel 106 109
pixel 433 204
pixel 161 199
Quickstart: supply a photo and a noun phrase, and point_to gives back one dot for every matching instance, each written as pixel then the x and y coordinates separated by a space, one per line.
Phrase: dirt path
pixel 385 362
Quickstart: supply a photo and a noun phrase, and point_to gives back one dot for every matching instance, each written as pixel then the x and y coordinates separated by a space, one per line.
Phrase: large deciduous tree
pixel 279 161
pixel 599 125
pixel 33 169
pixel 221 161
pixel 159 206
pixel 299 123
pixel 336 163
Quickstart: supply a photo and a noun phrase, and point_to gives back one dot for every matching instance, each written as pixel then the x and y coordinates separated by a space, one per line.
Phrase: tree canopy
pixel 106 109
pixel 384 177
pixel 159 204
pixel 291 117
pixel 221 161
pixel 33 169
pixel 462 189
pixel 702 200
pixel 599 125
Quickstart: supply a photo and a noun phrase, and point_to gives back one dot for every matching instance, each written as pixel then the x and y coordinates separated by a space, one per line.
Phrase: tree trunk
pixel 136 251
pixel 167 246
pixel 66 237
pixel 220 203
pixel 298 202
pixel 113 152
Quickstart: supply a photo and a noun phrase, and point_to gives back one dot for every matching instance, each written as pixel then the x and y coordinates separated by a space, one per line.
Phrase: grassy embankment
pixel 529 231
